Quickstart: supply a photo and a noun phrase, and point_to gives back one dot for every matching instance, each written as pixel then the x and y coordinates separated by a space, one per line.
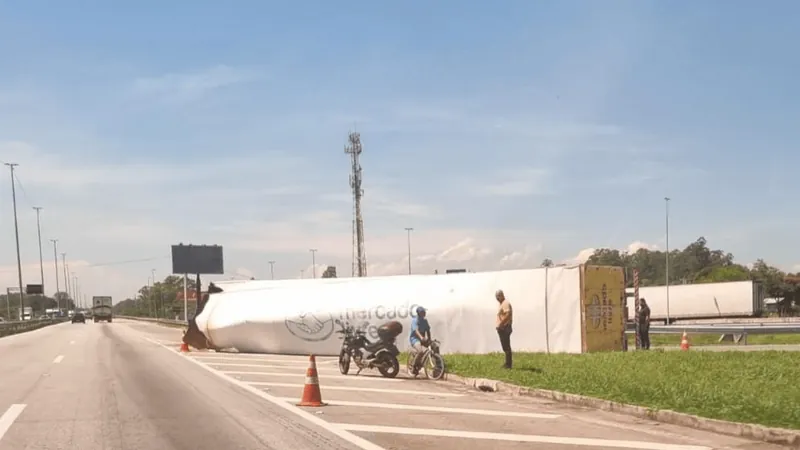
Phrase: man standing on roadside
pixel 644 324
pixel 505 318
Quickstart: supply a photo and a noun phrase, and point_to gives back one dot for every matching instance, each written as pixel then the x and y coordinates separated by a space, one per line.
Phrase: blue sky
pixel 502 133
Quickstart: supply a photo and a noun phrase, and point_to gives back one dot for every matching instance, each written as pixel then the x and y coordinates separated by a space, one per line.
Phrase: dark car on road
pixel 78 317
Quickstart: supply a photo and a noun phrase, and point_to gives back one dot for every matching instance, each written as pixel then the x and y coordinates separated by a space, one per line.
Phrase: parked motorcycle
pixel 381 354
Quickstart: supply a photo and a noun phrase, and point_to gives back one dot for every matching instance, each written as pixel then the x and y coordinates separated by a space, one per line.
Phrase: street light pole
pixel 272 269
pixel 39 232
pixel 74 290
pixel 16 234
pixel 409 230
pixel 55 260
pixel 666 204
pixel 64 270
pixel 313 261
pixel 153 297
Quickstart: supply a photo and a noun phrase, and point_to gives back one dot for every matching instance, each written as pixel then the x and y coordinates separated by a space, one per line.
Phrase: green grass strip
pixel 752 387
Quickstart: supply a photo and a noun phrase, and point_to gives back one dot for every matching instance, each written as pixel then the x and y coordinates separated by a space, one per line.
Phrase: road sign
pixel 34 289
pixel 197 259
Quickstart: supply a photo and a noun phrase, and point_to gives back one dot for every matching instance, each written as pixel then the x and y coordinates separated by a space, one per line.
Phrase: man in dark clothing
pixel 644 324
pixel 505 318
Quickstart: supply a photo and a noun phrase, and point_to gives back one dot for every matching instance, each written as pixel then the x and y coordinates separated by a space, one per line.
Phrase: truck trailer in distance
pixel 735 299
pixel 101 309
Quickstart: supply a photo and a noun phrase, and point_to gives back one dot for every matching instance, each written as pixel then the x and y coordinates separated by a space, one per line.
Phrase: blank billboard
pixel 197 259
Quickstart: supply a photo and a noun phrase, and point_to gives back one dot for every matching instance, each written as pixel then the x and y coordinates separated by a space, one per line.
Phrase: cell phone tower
pixel 359 254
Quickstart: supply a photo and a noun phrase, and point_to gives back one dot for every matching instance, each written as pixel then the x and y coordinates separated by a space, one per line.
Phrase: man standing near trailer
pixel 503 324
pixel 643 330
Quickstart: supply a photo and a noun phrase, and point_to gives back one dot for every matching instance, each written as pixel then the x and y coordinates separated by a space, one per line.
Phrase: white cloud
pixel 586 253
pixel 192 85
pixel 516 183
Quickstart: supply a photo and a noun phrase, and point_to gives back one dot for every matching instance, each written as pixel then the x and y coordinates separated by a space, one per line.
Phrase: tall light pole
pixel 153 297
pixel 272 269
pixel 409 230
pixel 74 290
pixel 39 232
pixel 313 261
pixel 66 281
pixel 666 204
pixel 16 234
pixel 55 260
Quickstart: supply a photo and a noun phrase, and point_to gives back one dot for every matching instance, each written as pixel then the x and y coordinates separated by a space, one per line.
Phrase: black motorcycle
pixel 381 355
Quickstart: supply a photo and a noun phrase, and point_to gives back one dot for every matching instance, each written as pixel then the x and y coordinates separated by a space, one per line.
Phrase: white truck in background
pixel 735 299
pixel 26 313
pixel 101 309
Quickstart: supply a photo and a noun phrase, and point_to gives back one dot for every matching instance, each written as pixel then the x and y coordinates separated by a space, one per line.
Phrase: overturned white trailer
pixel 562 309
pixel 703 301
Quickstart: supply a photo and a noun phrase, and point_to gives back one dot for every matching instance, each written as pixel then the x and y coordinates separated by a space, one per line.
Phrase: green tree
pixel 330 272
pixel 698 263
pixel 547 262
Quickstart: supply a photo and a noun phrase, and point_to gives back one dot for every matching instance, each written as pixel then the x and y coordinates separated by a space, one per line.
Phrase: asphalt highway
pixel 124 385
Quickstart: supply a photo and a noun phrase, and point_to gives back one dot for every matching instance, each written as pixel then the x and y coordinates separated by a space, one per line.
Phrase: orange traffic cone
pixel 184 347
pixel 311 393
pixel 684 342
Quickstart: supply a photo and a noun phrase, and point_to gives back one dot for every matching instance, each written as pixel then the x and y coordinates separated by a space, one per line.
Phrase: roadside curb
pixel 780 436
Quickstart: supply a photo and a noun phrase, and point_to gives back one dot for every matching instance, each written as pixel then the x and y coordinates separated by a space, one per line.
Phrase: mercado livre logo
pixel 319 325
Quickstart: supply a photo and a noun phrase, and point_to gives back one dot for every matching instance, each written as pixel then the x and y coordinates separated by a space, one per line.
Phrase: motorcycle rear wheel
pixel 344 362
pixel 388 365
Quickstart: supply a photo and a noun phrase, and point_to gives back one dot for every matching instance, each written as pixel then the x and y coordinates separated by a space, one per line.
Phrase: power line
pixel 112 263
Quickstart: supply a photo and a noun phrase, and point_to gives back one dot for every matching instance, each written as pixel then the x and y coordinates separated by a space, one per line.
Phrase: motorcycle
pixel 381 354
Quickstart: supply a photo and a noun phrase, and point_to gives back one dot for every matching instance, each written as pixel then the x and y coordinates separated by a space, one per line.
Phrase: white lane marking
pixel 287 362
pixel 324 377
pixel 256 356
pixel 58 359
pixel 585 442
pixel 8 417
pixel 358 388
pixel 268 366
pixel 338 431
pixel 441 409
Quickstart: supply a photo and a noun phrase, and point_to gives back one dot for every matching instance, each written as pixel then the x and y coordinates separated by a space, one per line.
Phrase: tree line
pixel 164 299
pixel 697 263
pixel 38 303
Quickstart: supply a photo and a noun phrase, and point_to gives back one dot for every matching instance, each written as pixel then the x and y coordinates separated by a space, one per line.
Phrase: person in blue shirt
pixel 420 337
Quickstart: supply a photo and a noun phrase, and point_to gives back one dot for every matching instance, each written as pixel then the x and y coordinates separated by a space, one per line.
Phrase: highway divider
pixel 21 326
pixel 165 322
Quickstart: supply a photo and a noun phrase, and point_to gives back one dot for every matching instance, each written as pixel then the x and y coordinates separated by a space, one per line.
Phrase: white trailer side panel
pixel 707 300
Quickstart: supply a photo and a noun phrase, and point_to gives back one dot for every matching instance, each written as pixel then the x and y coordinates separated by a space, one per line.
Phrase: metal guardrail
pixel 169 322
pixel 21 326
pixel 744 329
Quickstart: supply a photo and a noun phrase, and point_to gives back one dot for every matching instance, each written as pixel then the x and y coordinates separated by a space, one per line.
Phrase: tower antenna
pixel 359 255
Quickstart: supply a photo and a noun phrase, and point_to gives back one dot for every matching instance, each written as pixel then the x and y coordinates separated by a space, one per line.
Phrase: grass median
pixel 668 340
pixel 750 387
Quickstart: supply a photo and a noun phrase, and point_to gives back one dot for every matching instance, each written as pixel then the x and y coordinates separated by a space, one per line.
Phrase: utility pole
pixel 153 297
pixel 74 290
pixel 666 203
pixel 16 234
pixel 66 281
pixel 39 231
pixel 186 297
pixel 272 269
pixel 313 261
pixel 359 253
pixel 409 230
pixel 55 260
